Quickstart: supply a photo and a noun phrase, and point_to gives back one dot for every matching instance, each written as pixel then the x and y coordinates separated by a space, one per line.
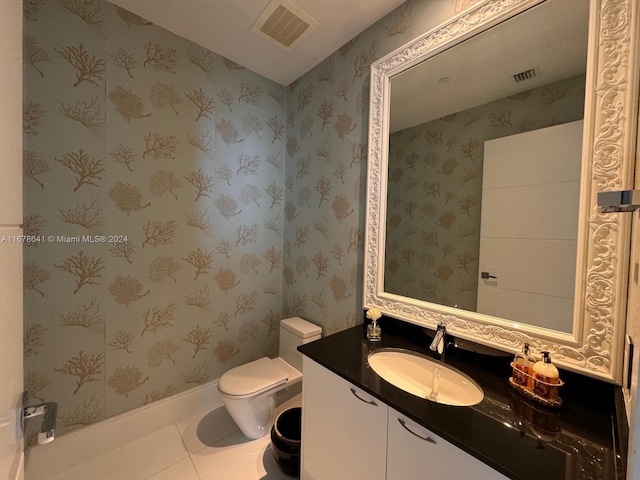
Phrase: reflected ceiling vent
pixel 284 24
pixel 526 75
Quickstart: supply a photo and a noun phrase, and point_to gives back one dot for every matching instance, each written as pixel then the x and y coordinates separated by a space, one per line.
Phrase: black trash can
pixel 285 440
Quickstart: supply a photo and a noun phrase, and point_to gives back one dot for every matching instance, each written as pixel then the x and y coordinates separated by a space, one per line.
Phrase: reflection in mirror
pixel 484 170
pixel 594 343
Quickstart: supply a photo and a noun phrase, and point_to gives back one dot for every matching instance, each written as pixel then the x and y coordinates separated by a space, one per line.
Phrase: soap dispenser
pixel 523 367
pixel 546 379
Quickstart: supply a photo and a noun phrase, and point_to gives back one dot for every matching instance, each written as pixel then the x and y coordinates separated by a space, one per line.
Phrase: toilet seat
pixel 252 378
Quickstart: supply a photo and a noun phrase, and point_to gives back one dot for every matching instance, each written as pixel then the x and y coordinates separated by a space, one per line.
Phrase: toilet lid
pixel 252 377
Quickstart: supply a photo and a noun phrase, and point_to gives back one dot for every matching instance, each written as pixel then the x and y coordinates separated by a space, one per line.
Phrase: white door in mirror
pixel 530 187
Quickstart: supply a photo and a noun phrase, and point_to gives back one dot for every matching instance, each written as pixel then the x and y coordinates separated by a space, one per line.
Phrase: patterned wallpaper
pixel 326 152
pixel 435 190
pixel 228 202
pixel 154 179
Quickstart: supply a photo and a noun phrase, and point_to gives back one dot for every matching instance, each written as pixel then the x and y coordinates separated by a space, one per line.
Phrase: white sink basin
pixel 424 377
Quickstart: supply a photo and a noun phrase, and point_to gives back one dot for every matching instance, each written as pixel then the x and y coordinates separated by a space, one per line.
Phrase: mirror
pixel 434 126
pixel 445 114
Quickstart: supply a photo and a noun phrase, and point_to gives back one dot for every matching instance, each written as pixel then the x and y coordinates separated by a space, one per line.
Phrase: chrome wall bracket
pixel 619 201
pixel 48 410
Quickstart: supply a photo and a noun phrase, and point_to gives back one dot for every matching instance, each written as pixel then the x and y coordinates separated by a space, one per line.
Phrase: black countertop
pixel 584 439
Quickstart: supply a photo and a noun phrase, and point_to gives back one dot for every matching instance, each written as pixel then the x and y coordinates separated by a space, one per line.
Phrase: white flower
pixel 374 314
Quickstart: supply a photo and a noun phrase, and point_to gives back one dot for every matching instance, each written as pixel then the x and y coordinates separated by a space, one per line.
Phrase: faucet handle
pixel 438 343
pixel 440 346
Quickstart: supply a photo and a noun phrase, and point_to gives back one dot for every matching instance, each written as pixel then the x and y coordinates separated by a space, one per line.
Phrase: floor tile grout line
pixel 195 469
pixel 186 449
pixel 176 462
pixel 214 443
pixel 184 444
pixel 167 467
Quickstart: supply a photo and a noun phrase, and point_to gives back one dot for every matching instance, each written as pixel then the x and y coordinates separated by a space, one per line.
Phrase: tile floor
pixel 206 446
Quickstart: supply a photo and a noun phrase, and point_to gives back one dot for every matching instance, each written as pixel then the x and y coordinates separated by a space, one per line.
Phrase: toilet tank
pixel 294 332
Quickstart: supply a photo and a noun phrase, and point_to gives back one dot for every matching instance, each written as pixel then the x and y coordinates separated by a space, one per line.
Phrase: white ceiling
pixel 551 37
pixel 223 26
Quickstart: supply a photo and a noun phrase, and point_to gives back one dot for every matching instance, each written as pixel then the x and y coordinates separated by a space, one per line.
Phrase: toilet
pixel 248 391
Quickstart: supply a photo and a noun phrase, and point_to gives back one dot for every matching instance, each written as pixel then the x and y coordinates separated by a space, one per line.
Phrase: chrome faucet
pixel 439 340
pixel 439 345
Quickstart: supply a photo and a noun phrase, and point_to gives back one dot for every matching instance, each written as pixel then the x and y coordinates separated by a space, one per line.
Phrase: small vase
pixel 374 331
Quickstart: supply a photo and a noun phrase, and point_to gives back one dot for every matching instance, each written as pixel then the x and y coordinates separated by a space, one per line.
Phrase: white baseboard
pixel 43 461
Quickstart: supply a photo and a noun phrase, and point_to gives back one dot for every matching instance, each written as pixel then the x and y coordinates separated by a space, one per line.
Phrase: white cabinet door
pixel 344 430
pixel 414 453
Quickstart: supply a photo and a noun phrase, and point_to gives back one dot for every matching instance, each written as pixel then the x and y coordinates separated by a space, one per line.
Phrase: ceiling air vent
pixel 526 75
pixel 284 24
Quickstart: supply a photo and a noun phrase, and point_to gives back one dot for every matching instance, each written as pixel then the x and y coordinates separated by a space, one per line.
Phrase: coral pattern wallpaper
pixel 183 204
pixel 326 152
pixel 435 190
pixel 154 180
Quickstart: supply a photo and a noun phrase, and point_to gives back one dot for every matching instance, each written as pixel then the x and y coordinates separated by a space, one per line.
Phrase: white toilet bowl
pixel 248 391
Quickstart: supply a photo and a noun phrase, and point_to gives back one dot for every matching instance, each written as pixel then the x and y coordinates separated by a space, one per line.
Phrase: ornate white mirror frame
pixel 595 346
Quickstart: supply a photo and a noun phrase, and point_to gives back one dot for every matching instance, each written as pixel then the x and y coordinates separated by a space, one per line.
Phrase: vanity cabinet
pixel 413 452
pixel 348 434
pixel 344 429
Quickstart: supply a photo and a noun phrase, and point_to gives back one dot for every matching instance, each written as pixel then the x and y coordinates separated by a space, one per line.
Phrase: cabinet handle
pixel 427 439
pixel 370 402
